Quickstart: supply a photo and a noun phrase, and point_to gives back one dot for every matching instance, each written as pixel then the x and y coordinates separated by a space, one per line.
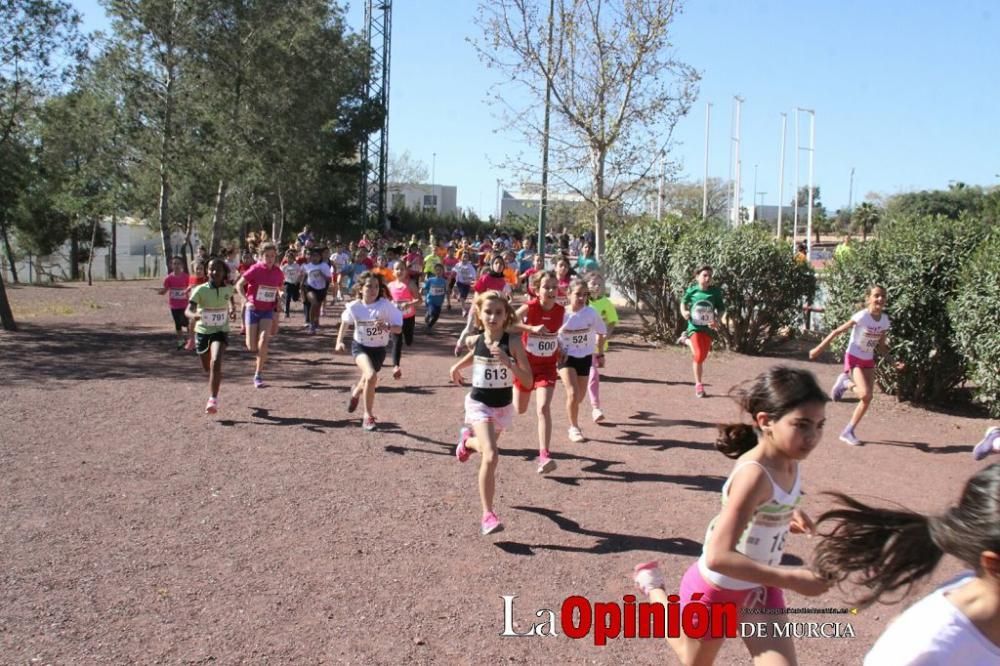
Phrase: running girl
pixel 582 332
pixel 745 542
pixel 315 277
pixel 869 328
pixel 496 357
pixel 201 277
pixel 491 280
pixel 884 550
pixel 465 277
pixel 564 273
pixel 450 262
pixel 292 271
pixel 701 305
pixel 259 286
pixel 399 290
pixel 208 308
pixel 600 302
pixel 540 320
pixel 373 317
pixel 176 285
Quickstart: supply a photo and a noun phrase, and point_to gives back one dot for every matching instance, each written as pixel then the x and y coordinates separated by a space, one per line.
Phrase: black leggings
pixel 397 340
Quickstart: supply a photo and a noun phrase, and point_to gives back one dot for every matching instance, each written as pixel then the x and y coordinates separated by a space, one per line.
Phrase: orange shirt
pixel 510 275
pixel 388 275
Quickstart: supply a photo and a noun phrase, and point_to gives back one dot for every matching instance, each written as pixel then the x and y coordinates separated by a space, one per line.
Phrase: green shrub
pixel 637 260
pixel 918 260
pixel 975 316
pixel 763 286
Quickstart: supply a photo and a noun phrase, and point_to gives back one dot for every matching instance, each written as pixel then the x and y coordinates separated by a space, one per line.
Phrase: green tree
pixel 864 218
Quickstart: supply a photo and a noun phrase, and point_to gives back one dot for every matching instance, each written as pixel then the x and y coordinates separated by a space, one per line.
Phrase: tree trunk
pixel 6 316
pixel 278 224
pixel 187 247
pixel 113 259
pixel 599 203
pixel 74 254
pixel 90 256
pixel 165 143
pixel 8 250
pixel 218 218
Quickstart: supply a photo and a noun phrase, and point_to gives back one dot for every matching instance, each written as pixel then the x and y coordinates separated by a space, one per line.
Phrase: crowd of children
pixel 527 328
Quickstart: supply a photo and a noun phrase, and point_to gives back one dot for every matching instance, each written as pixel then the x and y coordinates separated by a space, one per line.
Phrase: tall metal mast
pixel 375 149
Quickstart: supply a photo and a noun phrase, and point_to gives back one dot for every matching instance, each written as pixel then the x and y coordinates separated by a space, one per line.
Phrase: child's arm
pixel 818 349
pixel 340 336
pixel 749 489
pixel 192 312
pixel 456 370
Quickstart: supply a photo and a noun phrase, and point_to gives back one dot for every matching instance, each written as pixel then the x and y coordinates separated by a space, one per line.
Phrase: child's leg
pixel 485 442
pixel 689 650
pixel 543 410
pixel 568 376
pixel 771 650
pixel 409 325
pixel 397 348
pixel 594 386
pixel 368 382
pixel 251 332
pixel 264 337
pixel 863 386
pixel 215 374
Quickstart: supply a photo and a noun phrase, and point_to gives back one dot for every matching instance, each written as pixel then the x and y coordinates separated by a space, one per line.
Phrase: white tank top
pixel 763 540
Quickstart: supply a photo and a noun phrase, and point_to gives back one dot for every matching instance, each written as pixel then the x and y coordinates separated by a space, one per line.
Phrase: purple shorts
pixel 851 362
pixel 253 317
pixel 755 597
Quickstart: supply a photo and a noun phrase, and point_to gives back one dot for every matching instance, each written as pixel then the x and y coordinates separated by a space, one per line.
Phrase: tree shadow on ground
pixel 643 439
pixel 602 468
pixel 655 420
pixel 606 542
pixel 612 379
pixel 262 416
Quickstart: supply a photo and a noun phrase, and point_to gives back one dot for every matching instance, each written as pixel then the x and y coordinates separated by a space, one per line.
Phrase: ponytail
pixel 735 439
pixel 879 549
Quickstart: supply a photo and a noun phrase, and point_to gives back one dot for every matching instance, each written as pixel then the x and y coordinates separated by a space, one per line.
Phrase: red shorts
pixel 701 344
pixel 851 362
pixel 544 376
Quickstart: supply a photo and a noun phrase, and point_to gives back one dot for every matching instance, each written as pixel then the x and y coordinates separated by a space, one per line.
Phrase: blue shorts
pixel 253 317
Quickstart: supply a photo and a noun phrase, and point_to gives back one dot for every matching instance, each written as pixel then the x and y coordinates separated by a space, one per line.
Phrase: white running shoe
pixel 837 392
pixel 990 444
pixel 648 577
pixel 575 435
pixel 597 415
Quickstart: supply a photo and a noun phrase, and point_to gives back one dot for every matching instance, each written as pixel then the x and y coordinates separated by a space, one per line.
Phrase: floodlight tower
pixel 375 148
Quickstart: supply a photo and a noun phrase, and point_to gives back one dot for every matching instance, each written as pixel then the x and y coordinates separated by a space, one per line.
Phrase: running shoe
pixel 545 463
pixel 352 403
pixel 648 577
pixel 490 524
pixel 181 344
pixel 597 415
pixel 461 452
pixel 848 437
pixel 837 392
pixel 368 423
pixel 699 390
pixel 575 435
pixel 258 381
pixel 189 345
pixel 312 329
pixel 990 444
pixel 213 406
pixel 397 373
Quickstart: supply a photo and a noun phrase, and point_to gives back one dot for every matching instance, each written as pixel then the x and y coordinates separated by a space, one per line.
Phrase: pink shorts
pixel 851 362
pixel 756 597
pixel 476 412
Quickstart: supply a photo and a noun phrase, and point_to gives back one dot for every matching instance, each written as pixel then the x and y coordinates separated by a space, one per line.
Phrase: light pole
pixel 704 187
pixel 659 196
pixel 812 156
pixel 434 179
pixel 753 201
pixel 781 172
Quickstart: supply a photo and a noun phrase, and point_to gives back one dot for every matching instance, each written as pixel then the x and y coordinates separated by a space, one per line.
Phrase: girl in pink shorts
pixel 497 357
pixel 744 544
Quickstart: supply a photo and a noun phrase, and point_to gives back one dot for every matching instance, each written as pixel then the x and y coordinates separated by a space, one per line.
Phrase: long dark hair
pixel 883 550
pixel 775 392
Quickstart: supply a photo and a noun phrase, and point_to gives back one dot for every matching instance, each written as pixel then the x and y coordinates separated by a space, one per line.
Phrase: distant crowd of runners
pixel 529 328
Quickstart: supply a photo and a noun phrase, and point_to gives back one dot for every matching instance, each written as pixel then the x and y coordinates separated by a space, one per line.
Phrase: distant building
pixel 770 214
pixel 440 199
pixel 527 202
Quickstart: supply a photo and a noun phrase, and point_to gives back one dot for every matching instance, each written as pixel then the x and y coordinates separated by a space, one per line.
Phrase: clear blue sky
pixel 907 93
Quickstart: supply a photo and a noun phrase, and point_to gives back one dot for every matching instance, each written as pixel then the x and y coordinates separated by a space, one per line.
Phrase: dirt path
pixel 138 530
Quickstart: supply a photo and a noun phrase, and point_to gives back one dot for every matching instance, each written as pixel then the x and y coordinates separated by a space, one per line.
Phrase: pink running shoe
pixel 490 524
pixel 545 463
pixel 189 345
pixel 648 577
pixel 461 452
pixel 699 390
pixel 368 423
pixel 213 406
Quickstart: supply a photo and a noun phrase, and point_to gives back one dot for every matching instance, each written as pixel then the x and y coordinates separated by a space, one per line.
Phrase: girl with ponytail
pixel 740 562
pixel 884 550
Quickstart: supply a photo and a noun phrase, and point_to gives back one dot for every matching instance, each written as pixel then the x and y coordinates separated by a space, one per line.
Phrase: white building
pixel 528 201
pixel 138 255
pixel 440 199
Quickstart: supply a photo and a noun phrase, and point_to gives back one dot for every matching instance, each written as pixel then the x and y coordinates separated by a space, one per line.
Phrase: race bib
pixel 437 291
pixel 489 373
pixel 215 318
pixel 870 339
pixel 577 341
pixel 542 345
pixel 371 334
pixel 178 294
pixel 266 294
pixel 702 313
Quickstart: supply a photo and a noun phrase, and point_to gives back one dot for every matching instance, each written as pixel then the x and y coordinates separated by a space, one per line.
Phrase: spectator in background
pixel 845 249
pixel 306 235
